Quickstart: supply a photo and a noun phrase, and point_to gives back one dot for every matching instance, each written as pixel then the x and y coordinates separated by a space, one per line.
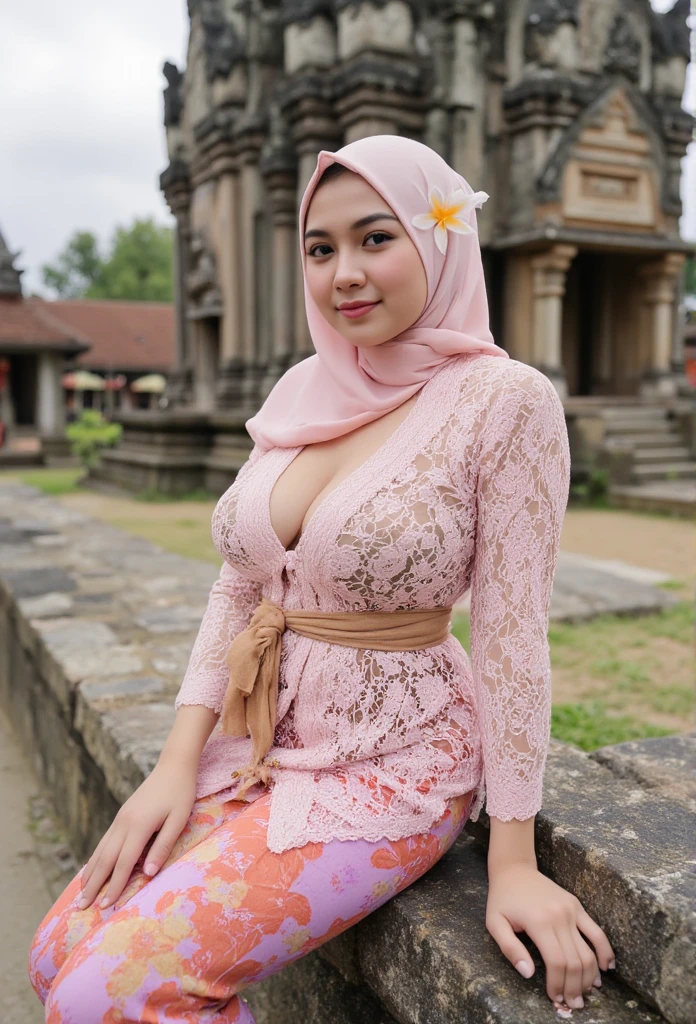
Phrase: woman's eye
pixel 378 235
pixel 322 245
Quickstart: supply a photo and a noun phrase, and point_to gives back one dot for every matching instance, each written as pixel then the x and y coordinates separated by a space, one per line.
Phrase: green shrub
pixel 593 491
pixel 90 434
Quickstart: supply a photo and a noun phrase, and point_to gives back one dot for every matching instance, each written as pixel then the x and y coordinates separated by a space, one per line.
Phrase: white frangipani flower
pixel 446 212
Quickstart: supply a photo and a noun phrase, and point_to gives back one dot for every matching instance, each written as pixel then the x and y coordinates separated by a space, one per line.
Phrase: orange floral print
pixel 223 913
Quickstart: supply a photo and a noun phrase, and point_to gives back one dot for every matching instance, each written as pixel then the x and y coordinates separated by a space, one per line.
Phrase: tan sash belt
pixel 249 707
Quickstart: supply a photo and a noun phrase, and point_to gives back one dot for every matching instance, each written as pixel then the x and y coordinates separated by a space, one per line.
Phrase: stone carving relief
pixel 622 55
pixel 670 32
pixel 550 33
pixel 611 176
pixel 302 11
pixel 173 98
pixel 222 41
pixel 547 15
pixel 202 280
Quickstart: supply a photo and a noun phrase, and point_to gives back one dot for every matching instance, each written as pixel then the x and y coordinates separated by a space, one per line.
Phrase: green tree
pixel 76 269
pixel 138 265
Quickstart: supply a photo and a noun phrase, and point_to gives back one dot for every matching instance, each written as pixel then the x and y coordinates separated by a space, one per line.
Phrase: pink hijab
pixel 342 386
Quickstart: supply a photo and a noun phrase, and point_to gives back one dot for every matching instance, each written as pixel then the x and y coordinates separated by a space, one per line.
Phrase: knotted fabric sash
pixel 250 704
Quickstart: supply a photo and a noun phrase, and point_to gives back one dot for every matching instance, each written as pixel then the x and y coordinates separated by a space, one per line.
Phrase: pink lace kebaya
pixel 468 492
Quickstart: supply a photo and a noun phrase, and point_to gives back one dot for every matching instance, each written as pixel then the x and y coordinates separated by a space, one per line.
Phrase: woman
pixel 391 471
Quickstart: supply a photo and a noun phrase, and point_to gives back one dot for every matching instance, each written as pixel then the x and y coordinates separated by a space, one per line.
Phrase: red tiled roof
pixel 122 335
pixel 25 323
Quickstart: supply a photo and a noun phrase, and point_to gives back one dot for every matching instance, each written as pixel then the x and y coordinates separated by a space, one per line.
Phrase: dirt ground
pixel 653 542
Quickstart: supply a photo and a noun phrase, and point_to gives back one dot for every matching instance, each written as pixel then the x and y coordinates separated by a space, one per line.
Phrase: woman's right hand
pixel 162 804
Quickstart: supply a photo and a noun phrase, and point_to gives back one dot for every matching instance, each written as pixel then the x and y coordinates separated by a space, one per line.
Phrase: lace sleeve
pixel 231 602
pixel 522 494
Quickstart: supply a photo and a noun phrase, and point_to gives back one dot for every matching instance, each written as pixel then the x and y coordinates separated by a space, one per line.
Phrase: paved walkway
pixel 585 587
pixel 33 871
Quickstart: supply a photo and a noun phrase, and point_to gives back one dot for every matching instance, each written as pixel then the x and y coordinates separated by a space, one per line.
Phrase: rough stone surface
pixel 663 764
pixel 312 990
pixel 627 852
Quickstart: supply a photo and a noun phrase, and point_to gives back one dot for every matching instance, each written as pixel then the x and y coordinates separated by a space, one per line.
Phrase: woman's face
pixel 358 252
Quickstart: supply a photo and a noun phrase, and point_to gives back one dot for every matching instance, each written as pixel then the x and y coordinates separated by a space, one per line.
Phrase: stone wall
pixel 95 631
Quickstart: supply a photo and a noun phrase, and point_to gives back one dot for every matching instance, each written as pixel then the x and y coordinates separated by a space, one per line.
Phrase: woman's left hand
pixel 520 898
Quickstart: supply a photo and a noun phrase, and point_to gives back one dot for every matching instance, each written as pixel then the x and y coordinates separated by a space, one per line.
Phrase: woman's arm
pixel 522 493
pixel 189 734
pixel 510 842
pixel 231 603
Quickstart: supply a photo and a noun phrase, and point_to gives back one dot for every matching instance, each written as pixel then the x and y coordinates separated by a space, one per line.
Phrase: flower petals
pixel 425 221
pixel 447 213
pixel 441 237
pixel 477 199
pixel 460 227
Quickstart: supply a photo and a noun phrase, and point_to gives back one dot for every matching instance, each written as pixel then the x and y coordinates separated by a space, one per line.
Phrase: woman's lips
pixel 357 311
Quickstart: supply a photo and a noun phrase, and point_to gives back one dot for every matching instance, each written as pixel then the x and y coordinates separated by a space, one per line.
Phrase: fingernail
pixel 577 1002
pixel 82 903
pixel 612 964
pixel 104 901
pixel 525 968
pixel 150 868
pixel 597 981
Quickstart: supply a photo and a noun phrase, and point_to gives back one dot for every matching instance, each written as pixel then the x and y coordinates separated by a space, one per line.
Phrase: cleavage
pixel 319 469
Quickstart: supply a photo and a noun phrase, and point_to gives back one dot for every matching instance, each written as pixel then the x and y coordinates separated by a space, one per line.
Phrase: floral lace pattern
pixel 469 491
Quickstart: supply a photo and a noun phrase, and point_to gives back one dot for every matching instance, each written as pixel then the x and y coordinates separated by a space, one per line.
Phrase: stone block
pixel 428 958
pixel 311 990
pixel 665 765
pixel 627 852
pixel 123 741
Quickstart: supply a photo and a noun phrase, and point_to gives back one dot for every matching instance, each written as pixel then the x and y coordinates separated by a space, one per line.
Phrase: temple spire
pixel 10 283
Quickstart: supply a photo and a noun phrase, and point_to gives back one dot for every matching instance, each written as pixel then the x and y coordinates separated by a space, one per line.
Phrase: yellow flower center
pixel 443 214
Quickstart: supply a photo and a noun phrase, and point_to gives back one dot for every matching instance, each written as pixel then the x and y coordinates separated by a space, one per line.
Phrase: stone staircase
pixel 659 453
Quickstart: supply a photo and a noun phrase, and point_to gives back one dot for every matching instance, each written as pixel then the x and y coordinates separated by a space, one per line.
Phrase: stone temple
pixel 567 112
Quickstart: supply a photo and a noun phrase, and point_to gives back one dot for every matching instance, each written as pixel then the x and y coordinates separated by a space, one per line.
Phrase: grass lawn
pixel 50 481
pixel 618 677
pixel 615 678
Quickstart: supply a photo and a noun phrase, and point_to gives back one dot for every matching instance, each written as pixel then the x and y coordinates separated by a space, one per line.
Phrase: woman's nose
pixel 348 272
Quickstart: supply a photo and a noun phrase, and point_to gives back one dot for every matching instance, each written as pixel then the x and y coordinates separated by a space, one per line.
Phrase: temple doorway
pixel 603 337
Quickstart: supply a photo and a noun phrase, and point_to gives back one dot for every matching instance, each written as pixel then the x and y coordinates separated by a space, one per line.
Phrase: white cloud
pixel 81 109
pixel 81 114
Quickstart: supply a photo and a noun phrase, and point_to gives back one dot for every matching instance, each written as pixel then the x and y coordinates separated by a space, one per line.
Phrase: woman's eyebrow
pixel 371 217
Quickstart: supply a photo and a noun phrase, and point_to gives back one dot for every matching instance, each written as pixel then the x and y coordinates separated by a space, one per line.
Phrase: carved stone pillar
pixel 233 360
pixel 548 288
pixel 176 184
pixel 248 146
pixel 660 283
pixel 310 54
pixel 466 99
pixel 279 169
pixel 207 355
pixel 377 86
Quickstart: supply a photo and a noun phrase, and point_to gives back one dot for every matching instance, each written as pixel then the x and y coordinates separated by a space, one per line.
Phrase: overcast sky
pixel 81 120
